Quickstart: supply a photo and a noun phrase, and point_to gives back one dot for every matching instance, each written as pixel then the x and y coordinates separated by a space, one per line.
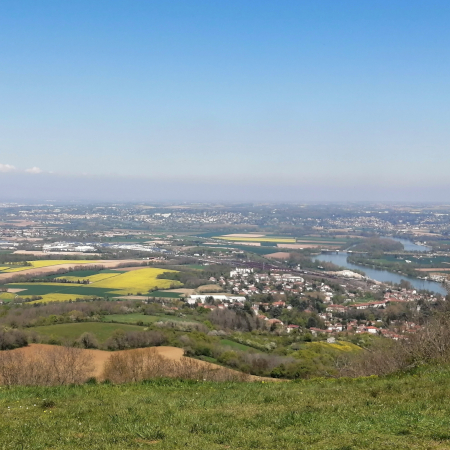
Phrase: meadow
pixel 72 331
pixel 145 318
pixel 403 412
pixel 236 346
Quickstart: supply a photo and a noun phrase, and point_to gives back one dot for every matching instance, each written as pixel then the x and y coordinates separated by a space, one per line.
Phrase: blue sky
pixel 277 97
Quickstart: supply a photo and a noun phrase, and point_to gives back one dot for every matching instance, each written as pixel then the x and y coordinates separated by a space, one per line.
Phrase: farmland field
pixel 47 298
pixel 102 284
pixel 236 345
pixel 74 330
pixel 91 278
pixel 257 239
pixel 83 273
pixel 135 281
pixel 6 296
pixel 136 317
pixel 46 263
pixel 166 294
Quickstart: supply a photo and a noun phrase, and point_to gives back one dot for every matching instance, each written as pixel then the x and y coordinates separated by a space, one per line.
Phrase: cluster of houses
pixel 243 283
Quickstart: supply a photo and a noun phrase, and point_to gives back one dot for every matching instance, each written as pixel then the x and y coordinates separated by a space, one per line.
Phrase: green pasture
pixel 236 345
pixel 60 288
pixel 164 294
pixel 82 273
pixel 136 317
pixel 72 331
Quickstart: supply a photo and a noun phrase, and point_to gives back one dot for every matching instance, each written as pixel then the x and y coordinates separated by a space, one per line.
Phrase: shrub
pixel 12 339
pixel 45 367
pixel 144 364
pixel 87 340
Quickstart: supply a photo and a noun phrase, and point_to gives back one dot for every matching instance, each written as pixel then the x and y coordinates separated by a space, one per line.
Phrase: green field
pixel 136 317
pixel 63 288
pixel 74 330
pixel 164 294
pixel 395 413
pixel 128 318
pixel 236 345
pixel 83 273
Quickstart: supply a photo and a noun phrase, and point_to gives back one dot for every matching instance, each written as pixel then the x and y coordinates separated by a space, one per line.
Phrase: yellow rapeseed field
pixel 46 298
pixel 135 281
pixel 120 283
pixel 91 278
pixel 46 263
pixel 6 296
pixel 338 345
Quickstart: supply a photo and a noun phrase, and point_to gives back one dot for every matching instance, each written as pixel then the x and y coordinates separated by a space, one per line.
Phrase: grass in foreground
pixel 410 412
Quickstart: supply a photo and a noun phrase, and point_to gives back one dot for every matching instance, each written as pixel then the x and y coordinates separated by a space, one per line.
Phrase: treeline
pixel 194 278
pixel 377 245
pixel 238 320
pixel 32 315
pixel 17 258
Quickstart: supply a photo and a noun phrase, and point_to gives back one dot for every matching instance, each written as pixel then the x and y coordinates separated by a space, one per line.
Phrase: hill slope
pixel 407 412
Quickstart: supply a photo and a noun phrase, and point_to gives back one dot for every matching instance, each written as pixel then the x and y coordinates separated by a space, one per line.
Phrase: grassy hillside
pixel 73 331
pixel 407 412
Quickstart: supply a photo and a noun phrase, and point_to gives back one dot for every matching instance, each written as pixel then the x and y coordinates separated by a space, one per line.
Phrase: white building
pixel 196 298
pixel 238 271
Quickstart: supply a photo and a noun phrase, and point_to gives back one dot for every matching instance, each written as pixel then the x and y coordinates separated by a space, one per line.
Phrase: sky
pixel 207 100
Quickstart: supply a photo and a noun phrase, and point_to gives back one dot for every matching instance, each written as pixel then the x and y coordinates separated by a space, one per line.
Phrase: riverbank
pixel 384 276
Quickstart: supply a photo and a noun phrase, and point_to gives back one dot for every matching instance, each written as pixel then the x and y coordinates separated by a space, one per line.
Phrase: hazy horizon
pixel 235 101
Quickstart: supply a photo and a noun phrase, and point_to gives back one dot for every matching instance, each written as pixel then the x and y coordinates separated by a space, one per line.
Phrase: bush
pixel 87 340
pixel 12 339
pixel 45 367
pixel 431 345
pixel 139 365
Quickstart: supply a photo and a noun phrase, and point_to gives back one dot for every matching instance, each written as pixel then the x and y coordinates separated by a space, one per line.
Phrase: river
pixel 340 259
pixel 410 246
